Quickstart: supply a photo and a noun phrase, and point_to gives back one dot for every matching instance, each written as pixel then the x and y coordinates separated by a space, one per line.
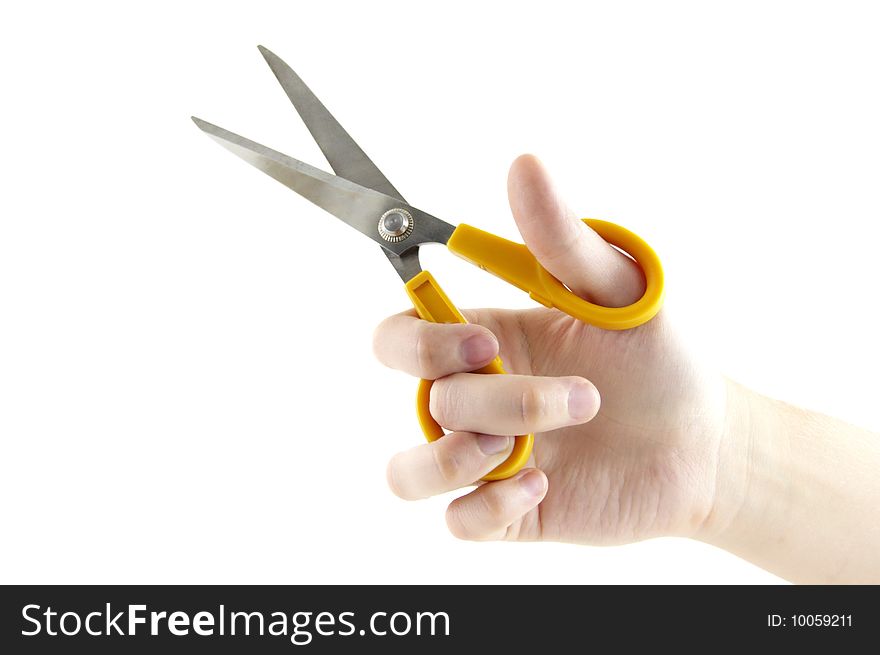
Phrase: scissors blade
pixel 342 152
pixel 352 203
pixel 356 205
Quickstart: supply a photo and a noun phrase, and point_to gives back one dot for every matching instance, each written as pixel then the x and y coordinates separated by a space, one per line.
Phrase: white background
pixel 187 391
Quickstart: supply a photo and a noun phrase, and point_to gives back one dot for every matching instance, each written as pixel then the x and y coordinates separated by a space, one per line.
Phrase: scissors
pixel 361 196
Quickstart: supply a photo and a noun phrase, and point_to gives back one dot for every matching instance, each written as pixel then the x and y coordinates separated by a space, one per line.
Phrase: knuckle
pixel 532 405
pixel 447 460
pixel 443 403
pixel 426 354
pixel 493 505
pixel 457 526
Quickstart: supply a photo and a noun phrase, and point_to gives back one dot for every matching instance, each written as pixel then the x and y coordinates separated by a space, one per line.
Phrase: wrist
pixel 796 492
pixel 753 476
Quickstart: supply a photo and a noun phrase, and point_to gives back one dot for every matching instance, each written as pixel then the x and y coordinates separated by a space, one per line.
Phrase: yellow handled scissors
pixel 361 196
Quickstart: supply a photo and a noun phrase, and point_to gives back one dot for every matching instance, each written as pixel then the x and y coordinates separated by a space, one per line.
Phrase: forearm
pixel 798 493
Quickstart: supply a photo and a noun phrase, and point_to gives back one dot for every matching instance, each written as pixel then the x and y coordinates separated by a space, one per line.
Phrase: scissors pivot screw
pixel 395 225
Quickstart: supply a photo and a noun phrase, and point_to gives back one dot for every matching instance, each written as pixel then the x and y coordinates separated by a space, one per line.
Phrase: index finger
pixel 432 350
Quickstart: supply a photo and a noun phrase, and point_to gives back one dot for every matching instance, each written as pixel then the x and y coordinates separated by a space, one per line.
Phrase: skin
pixel 634 437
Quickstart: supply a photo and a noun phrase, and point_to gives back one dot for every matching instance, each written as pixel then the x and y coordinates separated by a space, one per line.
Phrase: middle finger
pixel 512 404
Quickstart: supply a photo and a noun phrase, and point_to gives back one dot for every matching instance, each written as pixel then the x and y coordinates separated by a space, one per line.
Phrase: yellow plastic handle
pixel 514 263
pixel 433 305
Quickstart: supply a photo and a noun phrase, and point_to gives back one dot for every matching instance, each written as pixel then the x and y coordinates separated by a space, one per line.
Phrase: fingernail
pixel 492 444
pixel 533 483
pixel 478 349
pixel 583 401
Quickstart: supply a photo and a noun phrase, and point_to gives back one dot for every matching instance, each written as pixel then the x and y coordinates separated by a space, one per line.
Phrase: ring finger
pixel 455 461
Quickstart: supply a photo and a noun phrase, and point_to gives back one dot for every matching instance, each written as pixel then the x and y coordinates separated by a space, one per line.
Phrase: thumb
pixel 572 252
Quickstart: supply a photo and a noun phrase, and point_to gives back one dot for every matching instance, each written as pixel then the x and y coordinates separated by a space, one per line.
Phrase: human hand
pixel 640 463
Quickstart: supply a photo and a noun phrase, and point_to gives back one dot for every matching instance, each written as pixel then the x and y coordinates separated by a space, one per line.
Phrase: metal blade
pixel 344 155
pixel 341 151
pixel 356 205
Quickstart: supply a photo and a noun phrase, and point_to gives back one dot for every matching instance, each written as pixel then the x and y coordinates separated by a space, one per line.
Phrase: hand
pixel 641 462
